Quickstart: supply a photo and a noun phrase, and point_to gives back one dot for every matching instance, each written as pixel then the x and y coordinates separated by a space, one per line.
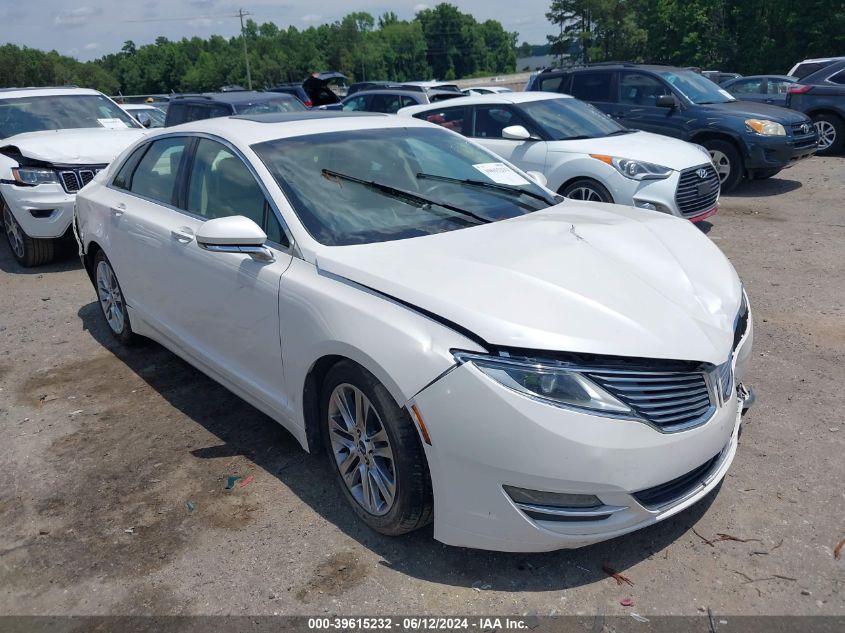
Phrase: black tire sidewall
pixel 587 183
pixel 733 155
pixel 409 459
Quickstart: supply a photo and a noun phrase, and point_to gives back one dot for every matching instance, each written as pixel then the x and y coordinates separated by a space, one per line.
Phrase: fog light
pixel 551 499
pixel 646 205
pixel 41 213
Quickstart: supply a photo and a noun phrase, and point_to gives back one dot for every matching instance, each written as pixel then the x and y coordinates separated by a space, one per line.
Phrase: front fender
pixel 325 315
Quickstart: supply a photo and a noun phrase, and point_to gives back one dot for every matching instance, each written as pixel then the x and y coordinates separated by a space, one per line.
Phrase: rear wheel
pixel 375 451
pixel 727 161
pixel 29 251
pixel 111 300
pixel 831 131
pixel 587 190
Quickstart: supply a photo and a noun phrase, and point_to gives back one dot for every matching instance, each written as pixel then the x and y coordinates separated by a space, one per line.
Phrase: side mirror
pixel 234 234
pixel 538 177
pixel 516 133
pixel 667 101
pixel 144 119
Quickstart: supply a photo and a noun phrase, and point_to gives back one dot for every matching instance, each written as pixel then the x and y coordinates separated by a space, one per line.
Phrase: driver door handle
pixel 118 210
pixel 182 235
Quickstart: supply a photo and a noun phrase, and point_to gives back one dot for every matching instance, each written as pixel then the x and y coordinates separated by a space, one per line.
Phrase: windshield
pixel 566 119
pixel 696 88
pixel 156 116
pixel 363 186
pixel 270 106
pixel 60 112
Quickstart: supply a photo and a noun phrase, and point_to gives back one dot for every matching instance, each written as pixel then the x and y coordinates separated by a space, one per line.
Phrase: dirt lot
pixel 103 449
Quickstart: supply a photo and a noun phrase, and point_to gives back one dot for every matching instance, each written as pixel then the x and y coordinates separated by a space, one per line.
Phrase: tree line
pixel 440 42
pixel 745 36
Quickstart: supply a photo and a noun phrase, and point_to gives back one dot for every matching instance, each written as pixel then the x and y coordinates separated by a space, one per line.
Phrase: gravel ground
pixel 104 449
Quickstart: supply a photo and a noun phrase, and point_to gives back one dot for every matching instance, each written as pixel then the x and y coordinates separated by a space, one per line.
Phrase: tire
pixel 587 190
pixel 28 251
pixel 831 131
pixel 727 161
pixel 111 300
pixel 389 431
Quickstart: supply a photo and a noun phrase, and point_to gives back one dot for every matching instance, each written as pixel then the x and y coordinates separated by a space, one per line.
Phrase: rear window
pixel 802 70
pixel 553 84
pixel 591 86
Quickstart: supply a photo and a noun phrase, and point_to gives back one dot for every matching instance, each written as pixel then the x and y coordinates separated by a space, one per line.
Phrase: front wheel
pixel 375 451
pixel 28 251
pixel 587 190
pixel 111 300
pixel 831 131
pixel 727 161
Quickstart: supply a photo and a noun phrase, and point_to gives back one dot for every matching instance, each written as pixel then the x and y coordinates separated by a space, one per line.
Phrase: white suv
pixel 53 141
pixel 583 153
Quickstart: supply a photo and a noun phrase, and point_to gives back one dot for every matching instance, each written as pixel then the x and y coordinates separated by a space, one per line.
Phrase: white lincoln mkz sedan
pixel 532 373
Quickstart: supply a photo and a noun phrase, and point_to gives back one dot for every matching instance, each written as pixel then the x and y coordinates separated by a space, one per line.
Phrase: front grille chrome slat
pixel 75 178
pixel 670 401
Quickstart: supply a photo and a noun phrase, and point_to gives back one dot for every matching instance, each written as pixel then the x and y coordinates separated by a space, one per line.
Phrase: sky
pixel 87 29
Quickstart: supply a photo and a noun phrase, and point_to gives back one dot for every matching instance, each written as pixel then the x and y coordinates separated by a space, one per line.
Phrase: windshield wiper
pixel 580 137
pixel 618 132
pixel 402 194
pixel 486 185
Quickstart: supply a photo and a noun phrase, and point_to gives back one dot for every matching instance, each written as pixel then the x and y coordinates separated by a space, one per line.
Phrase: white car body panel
pixel 563 162
pixel 577 277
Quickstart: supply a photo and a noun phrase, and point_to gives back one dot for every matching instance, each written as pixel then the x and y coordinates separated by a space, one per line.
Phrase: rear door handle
pixel 118 210
pixel 182 235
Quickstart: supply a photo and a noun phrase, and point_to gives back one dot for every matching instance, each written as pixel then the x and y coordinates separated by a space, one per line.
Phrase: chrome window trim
pixel 292 250
pixel 597 512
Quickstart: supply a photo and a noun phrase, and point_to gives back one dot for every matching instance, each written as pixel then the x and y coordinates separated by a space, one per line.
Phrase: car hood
pixel 588 278
pixel 753 110
pixel 653 148
pixel 85 146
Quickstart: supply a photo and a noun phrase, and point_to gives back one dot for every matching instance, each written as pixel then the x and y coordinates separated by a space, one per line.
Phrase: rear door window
pixel 454 119
pixel 746 87
pixel 838 78
pixel 158 171
pixel 592 86
pixel 386 103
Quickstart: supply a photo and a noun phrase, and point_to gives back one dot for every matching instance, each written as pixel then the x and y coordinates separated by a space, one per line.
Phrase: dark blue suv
pixel 752 140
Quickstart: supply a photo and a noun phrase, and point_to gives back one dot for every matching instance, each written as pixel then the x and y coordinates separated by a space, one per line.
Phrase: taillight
pixel 798 89
pixel 308 104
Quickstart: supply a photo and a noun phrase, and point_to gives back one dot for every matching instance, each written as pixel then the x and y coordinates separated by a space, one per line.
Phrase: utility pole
pixel 241 15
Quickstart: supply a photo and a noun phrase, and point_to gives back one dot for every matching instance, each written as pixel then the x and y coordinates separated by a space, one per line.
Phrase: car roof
pixel 784 77
pixel 137 106
pixel 13 93
pixel 824 73
pixel 233 97
pixel 397 91
pixel 251 129
pixel 501 98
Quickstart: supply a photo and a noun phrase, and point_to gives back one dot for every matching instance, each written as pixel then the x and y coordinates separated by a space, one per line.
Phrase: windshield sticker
pixel 501 174
pixel 112 124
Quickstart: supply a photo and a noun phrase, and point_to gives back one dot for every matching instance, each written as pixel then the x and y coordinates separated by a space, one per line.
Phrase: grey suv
pixel 753 140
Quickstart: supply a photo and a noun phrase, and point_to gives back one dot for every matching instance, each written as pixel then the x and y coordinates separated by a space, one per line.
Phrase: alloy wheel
pixel 722 164
pixel 361 449
pixel 827 134
pixel 111 299
pixel 14 233
pixel 585 193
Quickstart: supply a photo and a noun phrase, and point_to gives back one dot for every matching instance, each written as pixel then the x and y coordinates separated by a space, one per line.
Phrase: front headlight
pixel 32 176
pixel 635 169
pixel 547 381
pixel 765 128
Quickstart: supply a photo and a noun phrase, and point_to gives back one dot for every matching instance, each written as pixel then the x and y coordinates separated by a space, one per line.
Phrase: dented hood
pixel 589 278
pixel 85 146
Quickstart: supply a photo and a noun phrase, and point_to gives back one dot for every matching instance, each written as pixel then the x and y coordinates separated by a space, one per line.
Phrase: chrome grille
pixel 724 372
pixel 804 139
pixel 671 491
pixel 75 179
pixel 670 401
pixel 696 194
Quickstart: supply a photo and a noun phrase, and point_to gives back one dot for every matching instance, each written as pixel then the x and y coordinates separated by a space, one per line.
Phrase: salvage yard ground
pixel 115 465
